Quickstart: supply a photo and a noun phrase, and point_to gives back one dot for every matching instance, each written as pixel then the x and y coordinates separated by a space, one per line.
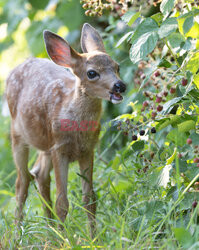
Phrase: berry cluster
pixel 97 7
pixel 195 150
pixel 129 128
pixel 159 86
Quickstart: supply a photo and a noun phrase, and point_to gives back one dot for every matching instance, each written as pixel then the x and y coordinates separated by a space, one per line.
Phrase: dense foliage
pixel 147 160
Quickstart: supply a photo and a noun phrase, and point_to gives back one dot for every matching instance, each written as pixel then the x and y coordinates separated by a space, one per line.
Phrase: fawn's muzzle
pixel 115 96
pixel 119 87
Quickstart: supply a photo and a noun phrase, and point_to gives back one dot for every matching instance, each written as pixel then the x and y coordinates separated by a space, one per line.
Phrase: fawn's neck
pixel 85 103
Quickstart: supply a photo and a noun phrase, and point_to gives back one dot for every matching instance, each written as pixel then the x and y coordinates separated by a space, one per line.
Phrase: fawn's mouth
pixel 115 97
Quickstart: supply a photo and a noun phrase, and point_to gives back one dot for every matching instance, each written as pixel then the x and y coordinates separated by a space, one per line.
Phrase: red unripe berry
pixel 172 90
pixel 184 82
pixel 196 160
pixel 189 141
pixel 157 73
pixel 179 155
pixel 194 204
pixel 153 114
pixel 145 103
pixel 158 99
pixel 142 76
pixel 159 108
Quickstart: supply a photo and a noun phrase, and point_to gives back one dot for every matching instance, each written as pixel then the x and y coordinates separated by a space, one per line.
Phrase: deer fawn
pixel 41 94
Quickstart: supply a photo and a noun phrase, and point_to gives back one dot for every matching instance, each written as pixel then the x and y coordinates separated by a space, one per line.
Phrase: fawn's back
pixel 41 95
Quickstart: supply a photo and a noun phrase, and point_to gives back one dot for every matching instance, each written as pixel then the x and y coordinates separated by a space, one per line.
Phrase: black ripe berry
pixel 142 132
pixel 134 137
pixel 153 130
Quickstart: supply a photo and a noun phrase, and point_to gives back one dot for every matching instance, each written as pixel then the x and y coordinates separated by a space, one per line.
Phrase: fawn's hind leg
pixel 20 154
pixel 41 172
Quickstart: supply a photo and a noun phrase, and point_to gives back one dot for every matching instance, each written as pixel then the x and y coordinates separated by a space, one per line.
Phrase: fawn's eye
pixel 92 74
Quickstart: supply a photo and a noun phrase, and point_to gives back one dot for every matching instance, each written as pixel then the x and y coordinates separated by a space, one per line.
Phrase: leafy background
pixel 147 189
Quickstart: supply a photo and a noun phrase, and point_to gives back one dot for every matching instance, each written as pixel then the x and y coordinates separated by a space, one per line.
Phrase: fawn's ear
pixel 91 40
pixel 58 50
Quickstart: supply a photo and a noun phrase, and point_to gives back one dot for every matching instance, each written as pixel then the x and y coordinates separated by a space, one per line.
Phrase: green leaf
pixel 138 145
pixel 169 105
pixel 133 18
pixel 175 40
pixel 178 138
pixel 172 158
pixel 186 126
pixel 167 27
pixel 13 14
pixel 116 162
pixel 128 15
pixel 183 236
pixel 148 25
pixel 163 125
pixel 193 64
pixel 39 4
pixel 166 6
pixel 122 39
pixel 164 63
pixel 71 13
pixel 34 34
pixel 188 23
pixel 157 17
pixel 144 40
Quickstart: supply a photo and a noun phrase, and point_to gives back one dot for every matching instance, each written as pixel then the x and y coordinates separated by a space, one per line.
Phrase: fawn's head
pixel 98 73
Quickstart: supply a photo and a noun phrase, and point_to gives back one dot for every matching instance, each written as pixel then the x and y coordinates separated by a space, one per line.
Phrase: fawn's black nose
pixel 119 87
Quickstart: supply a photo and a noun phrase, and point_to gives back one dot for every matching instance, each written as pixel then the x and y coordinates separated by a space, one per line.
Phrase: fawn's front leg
pixel 60 165
pixel 86 169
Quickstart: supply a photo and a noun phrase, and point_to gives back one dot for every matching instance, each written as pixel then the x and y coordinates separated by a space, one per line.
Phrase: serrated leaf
pixel 143 46
pixel 122 39
pixel 188 23
pixel 147 26
pixel 166 6
pixel 167 27
pixel 144 40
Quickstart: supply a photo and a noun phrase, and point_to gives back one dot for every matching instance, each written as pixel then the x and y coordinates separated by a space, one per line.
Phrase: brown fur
pixel 40 94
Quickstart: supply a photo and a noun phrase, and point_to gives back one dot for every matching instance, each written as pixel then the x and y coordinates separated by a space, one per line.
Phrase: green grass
pixel 133 211
pixel 137 220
